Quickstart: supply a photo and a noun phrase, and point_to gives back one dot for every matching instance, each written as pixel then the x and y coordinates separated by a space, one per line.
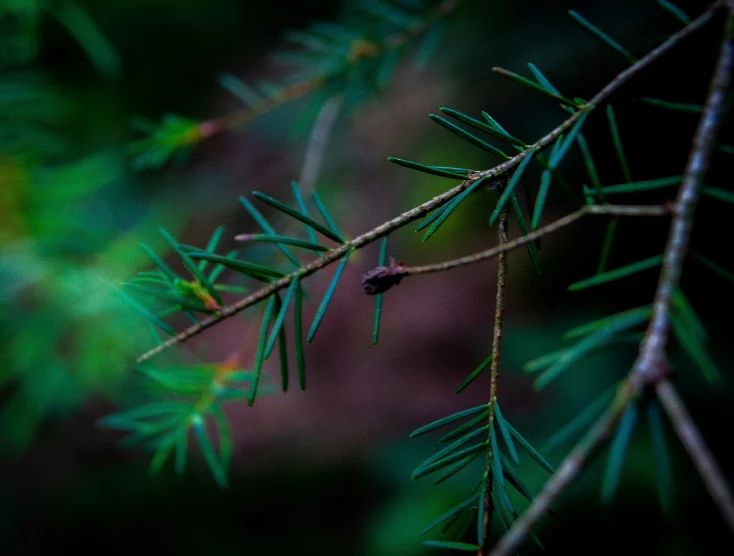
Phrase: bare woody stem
pixel 425 208
pixel 617 210
pixel 650 368
pixel 499 312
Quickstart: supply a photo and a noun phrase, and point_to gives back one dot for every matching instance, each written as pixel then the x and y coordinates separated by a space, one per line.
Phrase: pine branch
pixel 651 366
pixel 439 200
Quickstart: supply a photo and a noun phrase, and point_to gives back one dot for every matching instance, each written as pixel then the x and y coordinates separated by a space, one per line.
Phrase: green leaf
pixel 693 346
pixel 225 435
pixel 674 106
pixel 618 453
pixel 580 422
pixel 545 181
pixel 507 193
pixel 505 432
pixel 167 270
pixel 589 343
pixel 327 298
pixel 321 207
pixel 283 240
pixel 663 470
pixel 260 219
pixel 618 144
pixel 282 353
pixel 617 273
pixel 474 374
pixel 211 247
pixel 454 468
pixel 427 169
pixel 219 268
pixel 280 319
pixel 456 456
pixel 514 479
pixel 449 514
pixel 448 419
pixel 161 454
pixel 240 89
pixel 381 260
pixel 210 456
pixel 530 449
pixel 634 187
pixel 448 450
pixel 458 431
pixel 601 36
pixel 147 411
pixel 182 442
pixel 450 545
pixel 304 209
pixel 259 272
pixel 688 314
pixel 606 247
pixel 493 129
pixel 171 297
pixel 147 314
pixel 450 207
pixel 298 334
pixel 428 45
pixel 601 324
pixel 717 193
pixel 527 83
pixel 557 156
pixel 297 215
pixel 88 35
pixel 542 80
pixel 259 355
pixel 716 267
pixel 589 163
pixel 192 267
pixel 453 128
pixel 675 11
pixel 524 231
pixel 499 476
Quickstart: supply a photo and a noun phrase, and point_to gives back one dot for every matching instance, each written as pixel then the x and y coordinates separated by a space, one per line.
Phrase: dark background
pixel 328 470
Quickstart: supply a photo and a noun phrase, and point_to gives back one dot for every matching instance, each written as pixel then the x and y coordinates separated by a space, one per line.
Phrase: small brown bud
pixel 382 278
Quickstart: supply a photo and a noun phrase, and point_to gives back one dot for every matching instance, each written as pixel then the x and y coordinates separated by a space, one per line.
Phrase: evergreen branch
pixel 394 41
pixel 499 312
pixel 617 210
pixel 651 367
pixel 436 202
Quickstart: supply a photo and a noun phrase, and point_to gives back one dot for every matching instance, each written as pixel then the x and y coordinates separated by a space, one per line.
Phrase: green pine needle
pixel 381 260
pixel 617 273
pixel 601 36
pixel 297 215
pixel 618 453
pixel 327 298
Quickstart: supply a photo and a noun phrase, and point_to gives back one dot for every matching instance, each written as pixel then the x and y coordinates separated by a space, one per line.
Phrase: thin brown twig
pixel 425 208
pixel 499 312
pixel 617 210
pixel 651 367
